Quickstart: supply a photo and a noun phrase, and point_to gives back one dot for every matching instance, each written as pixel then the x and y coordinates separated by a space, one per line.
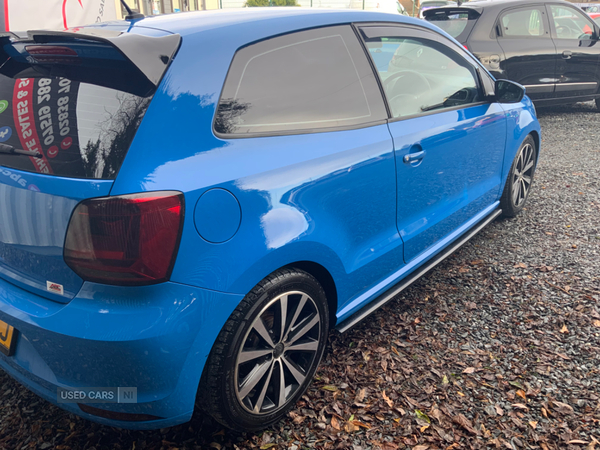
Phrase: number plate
pixel 7 338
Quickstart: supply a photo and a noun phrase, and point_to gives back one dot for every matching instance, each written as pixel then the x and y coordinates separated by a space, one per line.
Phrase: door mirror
pixel 508 91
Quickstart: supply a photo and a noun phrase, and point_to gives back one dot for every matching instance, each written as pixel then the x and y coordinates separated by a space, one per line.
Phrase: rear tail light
pixel 125 240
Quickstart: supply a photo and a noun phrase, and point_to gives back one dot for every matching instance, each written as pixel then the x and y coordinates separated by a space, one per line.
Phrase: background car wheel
pixel 267 353
pixel 598 103
pixel 519 179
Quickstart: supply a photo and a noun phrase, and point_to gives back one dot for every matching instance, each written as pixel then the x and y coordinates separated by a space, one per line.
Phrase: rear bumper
pixel 154 338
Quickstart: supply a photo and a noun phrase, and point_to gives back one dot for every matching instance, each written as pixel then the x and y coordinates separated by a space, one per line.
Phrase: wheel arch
pixel 325 279
pixel 536 138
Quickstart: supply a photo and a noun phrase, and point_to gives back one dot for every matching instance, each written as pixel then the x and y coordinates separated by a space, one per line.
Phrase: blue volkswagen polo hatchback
pixel 190 203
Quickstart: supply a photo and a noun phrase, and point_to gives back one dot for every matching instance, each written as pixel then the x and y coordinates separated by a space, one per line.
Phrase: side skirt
pixel 371 307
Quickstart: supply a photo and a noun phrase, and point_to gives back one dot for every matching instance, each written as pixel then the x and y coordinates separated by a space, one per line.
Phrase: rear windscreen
pixel 66 128
pixel 456 23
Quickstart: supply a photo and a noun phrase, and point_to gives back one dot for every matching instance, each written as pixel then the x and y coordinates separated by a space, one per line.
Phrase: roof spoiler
pixel 473 11
pixel 125 61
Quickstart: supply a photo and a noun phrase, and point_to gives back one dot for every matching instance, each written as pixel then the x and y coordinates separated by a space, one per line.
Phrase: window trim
pixel 540 7
pixel 420 33
pixel 366 124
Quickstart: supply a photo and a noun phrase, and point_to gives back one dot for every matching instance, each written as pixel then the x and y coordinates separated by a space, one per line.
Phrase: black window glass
pixel 421 75
pixel 453 24
pixel 315 79
pixel 570 23
pixel 66 128
pixel 526 22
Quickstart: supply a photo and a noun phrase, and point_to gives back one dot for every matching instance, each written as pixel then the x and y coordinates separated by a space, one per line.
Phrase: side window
pixel 420 75
pixel 570 23
pixel 526 22
pixel 309 80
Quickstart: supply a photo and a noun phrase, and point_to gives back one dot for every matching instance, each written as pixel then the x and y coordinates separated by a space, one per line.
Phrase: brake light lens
pixel 125 240
pixel 53 54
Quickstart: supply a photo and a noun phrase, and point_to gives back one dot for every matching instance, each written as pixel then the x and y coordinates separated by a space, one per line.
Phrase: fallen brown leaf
pixel 350 427
pixel 387 400
pixel 360 424
pixel 465 423
pixel 389 446
pixel 563 408
pixel 499 410
pixel 335 423
pixel 519 405
pixel 469 370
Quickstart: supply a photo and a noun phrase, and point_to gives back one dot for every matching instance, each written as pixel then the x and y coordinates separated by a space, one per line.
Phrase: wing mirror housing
pixel 507 91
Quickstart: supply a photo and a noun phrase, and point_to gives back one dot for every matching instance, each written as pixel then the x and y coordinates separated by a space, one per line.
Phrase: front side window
pixel 421 75
pixel 304 81
pixel 570 23
pixel 526 22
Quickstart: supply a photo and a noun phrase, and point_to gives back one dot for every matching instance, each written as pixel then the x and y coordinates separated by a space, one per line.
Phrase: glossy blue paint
pixel 453 182
pixel 34 214
pixel 355 304
pixel 155 338
pixel 217 215
pixel 341 199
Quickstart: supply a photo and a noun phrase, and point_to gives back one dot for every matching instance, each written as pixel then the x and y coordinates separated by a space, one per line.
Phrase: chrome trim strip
pixel 539 88
pixel 391 293
pixel 562 87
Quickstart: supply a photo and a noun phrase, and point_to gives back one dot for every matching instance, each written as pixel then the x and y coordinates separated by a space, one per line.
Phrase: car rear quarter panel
pixel 326 197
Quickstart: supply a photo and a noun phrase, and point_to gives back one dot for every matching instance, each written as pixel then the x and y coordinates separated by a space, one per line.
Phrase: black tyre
pixel 267 353
pixel 520 178
pixel 598 103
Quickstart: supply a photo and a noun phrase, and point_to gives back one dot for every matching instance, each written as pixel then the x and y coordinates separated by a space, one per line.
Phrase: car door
pixel 448 142
pixel 529 52
pixel 578 51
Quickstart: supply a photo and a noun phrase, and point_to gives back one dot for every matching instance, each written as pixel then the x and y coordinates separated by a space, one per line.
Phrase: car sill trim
pixel 371 307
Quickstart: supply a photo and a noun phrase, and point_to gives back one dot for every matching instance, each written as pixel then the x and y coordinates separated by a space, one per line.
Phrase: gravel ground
pixel 496 348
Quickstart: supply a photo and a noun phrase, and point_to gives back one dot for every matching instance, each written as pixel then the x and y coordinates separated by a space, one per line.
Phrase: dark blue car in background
pixel 188 204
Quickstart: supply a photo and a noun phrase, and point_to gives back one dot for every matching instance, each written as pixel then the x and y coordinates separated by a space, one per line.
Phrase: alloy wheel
pixel 523 175
pixel 277 352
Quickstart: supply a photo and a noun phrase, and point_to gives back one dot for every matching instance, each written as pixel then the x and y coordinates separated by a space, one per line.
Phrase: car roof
pixel 290 18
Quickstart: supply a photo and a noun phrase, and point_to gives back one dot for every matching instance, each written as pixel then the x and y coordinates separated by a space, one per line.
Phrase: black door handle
pixel 567 54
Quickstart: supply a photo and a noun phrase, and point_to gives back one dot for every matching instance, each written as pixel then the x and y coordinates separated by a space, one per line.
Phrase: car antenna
pixel 130 14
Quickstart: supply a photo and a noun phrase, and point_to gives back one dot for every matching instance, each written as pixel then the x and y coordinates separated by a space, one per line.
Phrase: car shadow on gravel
pixel 587 107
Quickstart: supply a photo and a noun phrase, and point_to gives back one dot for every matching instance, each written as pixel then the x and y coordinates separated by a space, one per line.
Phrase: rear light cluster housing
pixel 128 240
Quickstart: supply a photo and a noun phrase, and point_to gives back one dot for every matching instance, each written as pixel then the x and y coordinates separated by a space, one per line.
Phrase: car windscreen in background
pixel 70 104
pixel 458 23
